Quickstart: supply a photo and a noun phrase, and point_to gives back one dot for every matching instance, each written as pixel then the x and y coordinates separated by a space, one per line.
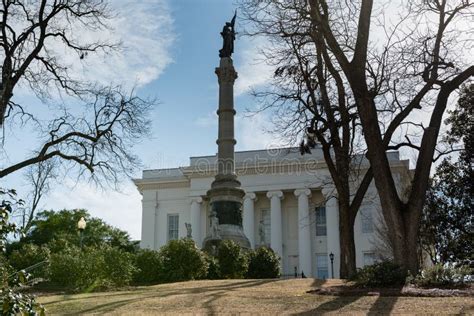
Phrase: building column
pixel 249 217
pixel 304 232
pixel 196 220
pixel 276 239
pixel 332 227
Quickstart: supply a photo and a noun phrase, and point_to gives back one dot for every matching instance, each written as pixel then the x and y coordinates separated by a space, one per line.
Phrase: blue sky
pixel 170 52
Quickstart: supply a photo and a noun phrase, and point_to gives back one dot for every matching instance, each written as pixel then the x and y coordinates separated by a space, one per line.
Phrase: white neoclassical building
pixel 289 205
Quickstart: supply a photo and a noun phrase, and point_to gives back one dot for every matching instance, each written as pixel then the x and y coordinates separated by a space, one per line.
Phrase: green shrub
pixel 444 276
pixel 28 255
pixel 91 268
pixel 118 268
pixel 148 264
pixel 264 263
pixel 75 269
pixel 213 270
pixel 181 261
pixel 232 260
pixel 385 273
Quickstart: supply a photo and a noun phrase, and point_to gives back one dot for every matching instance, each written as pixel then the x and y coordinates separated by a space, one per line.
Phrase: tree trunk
pixel 412 260
pixel 384 182
pixel 346 241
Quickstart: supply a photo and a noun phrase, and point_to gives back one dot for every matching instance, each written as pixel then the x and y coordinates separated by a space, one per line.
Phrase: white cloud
pixel 253 132
pixel 252 69
pixel 209 120
pixel 145 31
pixel 122 210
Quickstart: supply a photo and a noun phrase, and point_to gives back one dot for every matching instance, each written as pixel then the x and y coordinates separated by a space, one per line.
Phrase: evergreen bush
pixel 264 263
pixel 213 270
pixel 182 261
pixel 28 255
pixel 118 266
pixel 232 260
pixel 148 263
pixel 381 274
pixel 91 269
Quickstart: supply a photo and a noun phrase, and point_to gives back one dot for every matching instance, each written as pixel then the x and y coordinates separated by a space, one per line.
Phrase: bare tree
pixel 33 34
pixel 38 177
pixel 98 140
pixel 424 60
pixel 313 101
pixel 416 61
pixel 90 129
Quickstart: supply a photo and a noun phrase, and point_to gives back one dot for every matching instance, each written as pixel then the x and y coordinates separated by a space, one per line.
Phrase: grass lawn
pixel 248 297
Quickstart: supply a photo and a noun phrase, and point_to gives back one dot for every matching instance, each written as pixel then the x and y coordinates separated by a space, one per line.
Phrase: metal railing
pixel 27 270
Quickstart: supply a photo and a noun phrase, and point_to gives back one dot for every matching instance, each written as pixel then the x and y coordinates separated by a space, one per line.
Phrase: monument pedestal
pixel 226 203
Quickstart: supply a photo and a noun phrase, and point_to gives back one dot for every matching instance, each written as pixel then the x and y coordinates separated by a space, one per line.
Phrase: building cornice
pixel 154 184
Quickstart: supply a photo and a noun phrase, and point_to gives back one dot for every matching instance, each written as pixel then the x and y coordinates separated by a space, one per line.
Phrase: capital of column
pixel 278 194
pixel 226 74
pixel 250 196
pixel 196 199
pixel 299 192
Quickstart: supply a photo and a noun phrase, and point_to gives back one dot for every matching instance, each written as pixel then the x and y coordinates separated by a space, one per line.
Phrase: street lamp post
pixel 331 256
pixel 81 225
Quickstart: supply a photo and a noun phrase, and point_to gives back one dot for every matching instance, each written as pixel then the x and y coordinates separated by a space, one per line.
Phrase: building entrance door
pixel 322 266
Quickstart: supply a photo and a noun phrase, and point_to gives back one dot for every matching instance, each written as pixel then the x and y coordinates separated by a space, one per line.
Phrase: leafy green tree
pixel 447 232
pixel 232 260
pixel 58 230
pixel 182 261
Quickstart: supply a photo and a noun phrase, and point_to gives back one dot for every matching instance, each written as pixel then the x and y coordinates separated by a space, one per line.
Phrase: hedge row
pixel 95 268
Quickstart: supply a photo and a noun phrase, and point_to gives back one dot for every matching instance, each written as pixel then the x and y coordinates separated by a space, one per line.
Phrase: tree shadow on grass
pixel 111 306
pixel 217 292
pixel 336 304
pixel 385 304
pixel 141 291
pixel 214 292
pixel 76 297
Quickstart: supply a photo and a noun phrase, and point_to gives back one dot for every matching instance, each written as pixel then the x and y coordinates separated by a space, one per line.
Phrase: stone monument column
pixel 225 195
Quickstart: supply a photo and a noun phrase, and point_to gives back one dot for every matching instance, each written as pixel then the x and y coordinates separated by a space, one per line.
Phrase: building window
pixel 264 230
pixel 367 221
pixel 369 258
pixel 322 270
pixel 321 229
pixel 173 226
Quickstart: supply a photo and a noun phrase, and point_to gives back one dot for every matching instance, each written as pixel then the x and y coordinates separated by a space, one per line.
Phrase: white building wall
pixel 157 205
